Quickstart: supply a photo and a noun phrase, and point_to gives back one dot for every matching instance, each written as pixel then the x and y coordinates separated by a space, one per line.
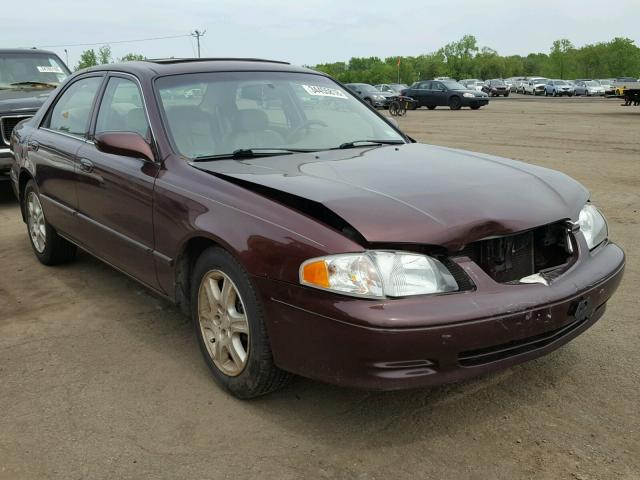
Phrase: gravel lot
pixel 100 379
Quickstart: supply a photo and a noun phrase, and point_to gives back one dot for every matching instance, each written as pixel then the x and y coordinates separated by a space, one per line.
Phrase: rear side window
pixel 121 109
pixel 71 112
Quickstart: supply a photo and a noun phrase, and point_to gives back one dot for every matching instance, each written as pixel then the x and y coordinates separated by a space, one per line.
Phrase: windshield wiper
pixel 365 143
pixel 252 153
pixel 35 84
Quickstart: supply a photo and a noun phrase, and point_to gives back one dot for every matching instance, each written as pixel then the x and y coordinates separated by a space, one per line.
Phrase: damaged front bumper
pixel 430 340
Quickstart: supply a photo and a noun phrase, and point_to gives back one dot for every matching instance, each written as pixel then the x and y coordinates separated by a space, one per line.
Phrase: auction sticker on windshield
pixel 49 69
pixel 323 91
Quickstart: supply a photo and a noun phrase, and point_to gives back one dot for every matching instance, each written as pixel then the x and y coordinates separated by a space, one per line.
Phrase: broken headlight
pixel 593 226
pixel 378 274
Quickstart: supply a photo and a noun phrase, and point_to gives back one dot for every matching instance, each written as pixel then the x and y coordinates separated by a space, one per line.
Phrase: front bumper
pixel 475 101
pixel 381 103
pixel 425 341
pixel 6 159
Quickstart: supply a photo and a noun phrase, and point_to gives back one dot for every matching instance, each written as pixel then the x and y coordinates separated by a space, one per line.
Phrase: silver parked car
pixel 393 88
pixel 557 88
pixel 588 88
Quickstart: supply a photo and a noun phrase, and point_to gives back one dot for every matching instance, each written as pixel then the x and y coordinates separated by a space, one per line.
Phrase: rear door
pixel 53 148
pixel 115 192
pixel 439 94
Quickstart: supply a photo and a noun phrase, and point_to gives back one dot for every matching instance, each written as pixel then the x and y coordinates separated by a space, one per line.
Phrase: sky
pixel 308 32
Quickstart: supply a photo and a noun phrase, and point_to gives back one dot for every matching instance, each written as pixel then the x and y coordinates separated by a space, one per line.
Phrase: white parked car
pixel 608 85
pixel 588 88
pixel 535 86
pixel 518 84
pixel 473 84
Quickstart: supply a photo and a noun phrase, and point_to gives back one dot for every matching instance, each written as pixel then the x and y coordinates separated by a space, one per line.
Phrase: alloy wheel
pixel 223 323
pixel 36 222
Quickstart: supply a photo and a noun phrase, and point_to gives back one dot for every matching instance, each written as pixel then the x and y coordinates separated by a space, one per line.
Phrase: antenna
pixel 197 34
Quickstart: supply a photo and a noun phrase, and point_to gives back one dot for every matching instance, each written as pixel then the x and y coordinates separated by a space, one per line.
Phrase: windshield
pixel 232 111
pixel 451 85
pixel 559 82
pixel 19 70
pixel 497 82
pixel 591 83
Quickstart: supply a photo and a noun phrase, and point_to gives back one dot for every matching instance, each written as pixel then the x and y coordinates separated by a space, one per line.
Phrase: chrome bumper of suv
pixel 6 159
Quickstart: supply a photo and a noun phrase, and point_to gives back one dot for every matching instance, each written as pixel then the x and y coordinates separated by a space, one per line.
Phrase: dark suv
pixel 27 76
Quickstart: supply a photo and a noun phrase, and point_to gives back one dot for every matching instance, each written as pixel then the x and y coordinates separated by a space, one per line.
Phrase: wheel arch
pixel 185 261
pixel 23 178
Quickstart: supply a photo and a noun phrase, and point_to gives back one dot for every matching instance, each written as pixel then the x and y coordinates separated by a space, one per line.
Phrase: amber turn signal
pixel 316 273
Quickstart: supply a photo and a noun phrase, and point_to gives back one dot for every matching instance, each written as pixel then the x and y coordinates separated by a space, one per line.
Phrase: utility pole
pixel 197 34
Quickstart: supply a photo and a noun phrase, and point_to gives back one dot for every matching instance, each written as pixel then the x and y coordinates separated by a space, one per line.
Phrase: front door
pixel 115 192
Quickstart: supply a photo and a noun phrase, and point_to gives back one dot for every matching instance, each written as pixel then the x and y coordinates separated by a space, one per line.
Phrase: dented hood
pixel 416 193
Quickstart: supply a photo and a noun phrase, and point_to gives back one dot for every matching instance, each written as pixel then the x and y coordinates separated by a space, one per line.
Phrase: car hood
pixel 15 100
pixel 415 193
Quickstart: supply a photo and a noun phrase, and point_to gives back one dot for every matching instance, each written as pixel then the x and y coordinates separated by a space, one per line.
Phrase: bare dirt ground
pixel 101 380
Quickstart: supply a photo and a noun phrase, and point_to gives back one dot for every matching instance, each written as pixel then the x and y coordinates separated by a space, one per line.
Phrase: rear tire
pixel 474 107
pixel 455 103
pixel 431 107
pixel 49 247
pixel 230 328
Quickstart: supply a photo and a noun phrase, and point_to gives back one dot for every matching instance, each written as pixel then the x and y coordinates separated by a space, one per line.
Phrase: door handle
pixel 86 165
pixel 33 146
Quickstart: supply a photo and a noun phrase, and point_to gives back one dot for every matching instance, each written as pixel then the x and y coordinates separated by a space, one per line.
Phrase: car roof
pixel 173 66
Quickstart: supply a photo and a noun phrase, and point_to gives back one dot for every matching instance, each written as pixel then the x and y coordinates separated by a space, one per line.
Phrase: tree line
pixel 619 57
pixel 91 57
pixel 465 59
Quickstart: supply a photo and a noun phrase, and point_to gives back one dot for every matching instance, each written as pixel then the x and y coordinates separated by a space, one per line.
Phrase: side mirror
pixel 128 144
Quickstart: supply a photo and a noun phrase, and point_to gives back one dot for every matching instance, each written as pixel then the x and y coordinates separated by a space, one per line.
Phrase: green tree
pixel 560 56
pixel 132 57
pixel 88 59
pixel 459 56
pixel 104 54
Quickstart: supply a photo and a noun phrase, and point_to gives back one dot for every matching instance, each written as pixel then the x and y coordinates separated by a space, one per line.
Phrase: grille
pixel 7 124
pixel 512 257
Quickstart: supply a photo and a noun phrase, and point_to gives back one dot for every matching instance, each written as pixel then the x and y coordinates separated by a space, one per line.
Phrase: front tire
pixel 455 103
pixel 229 322
pixel 431 107
pixel 49 247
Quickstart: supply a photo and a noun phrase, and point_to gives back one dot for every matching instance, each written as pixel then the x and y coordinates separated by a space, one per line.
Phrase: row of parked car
pixel 550 87
pixel 474 93
pixel 439 92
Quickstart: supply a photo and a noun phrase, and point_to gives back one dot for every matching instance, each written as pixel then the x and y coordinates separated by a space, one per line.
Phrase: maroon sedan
pixel 303 232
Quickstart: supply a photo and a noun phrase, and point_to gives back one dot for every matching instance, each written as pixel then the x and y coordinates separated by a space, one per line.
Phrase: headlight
pixel 378 97
pixel 378 274
pixel 593 226
pixel 468 95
